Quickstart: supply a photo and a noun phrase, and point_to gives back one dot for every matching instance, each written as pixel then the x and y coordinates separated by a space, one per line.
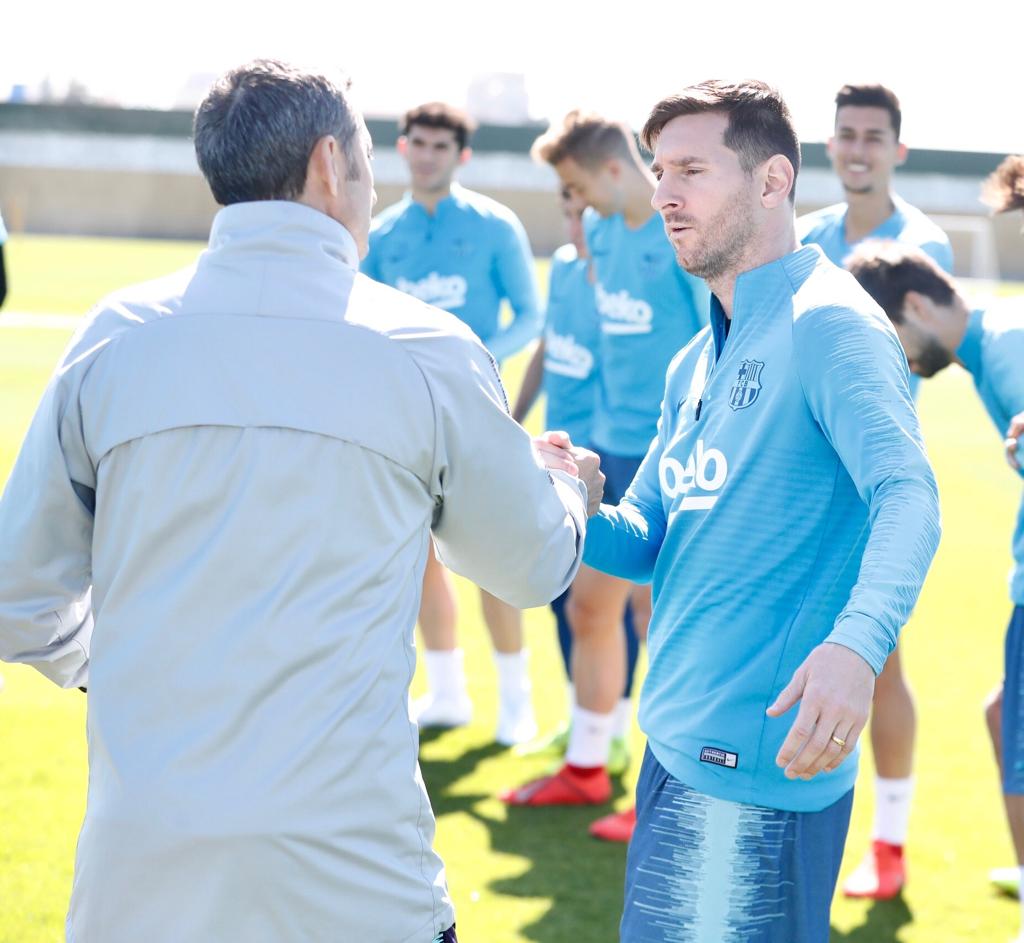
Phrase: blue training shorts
pixel 704 870
pixel 1013 705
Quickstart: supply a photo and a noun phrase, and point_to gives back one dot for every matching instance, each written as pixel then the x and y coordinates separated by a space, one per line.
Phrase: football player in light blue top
pixel 787 514
pixel 648 310
pixel 466 253
pixel 565 366
pixel 937 327
pixel 865 151
pixel 452 247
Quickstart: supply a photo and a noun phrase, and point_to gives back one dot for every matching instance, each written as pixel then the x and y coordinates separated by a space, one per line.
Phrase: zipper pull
pixel 700 403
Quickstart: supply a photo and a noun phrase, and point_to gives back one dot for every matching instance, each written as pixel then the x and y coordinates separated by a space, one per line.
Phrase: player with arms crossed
pixel 648 308
pixel 466 253
pixel 866 150
pixel 786 428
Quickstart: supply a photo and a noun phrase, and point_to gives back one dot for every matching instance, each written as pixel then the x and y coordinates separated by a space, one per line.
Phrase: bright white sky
pixel 955 67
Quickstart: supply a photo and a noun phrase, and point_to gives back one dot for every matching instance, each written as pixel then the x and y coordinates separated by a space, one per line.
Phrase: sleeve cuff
pixel 865 637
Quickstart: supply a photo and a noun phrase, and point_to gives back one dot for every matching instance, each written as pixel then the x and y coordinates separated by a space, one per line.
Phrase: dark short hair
pixel 1003 189
pixel 760 125
pixel 872 96
pixel 585 137
pixel 440 115
pixel 887 270
pixel 257 126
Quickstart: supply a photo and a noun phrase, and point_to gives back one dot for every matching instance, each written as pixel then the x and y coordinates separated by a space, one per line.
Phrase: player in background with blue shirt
pixel 938 327
pixel 466 253
pixel 565 366
pixel 648 310
pixel 787 514
pixel 866 150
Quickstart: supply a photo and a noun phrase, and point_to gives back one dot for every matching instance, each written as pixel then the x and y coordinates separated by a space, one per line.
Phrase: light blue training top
pixel 649 309
pixel 571 342
pixel 907 224
pixel 786 501
pixel 993 351
pixel 467 257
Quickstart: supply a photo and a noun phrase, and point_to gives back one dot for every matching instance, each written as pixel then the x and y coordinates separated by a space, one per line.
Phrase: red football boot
pixel 618 826
pixel 566 787
pixel 881 875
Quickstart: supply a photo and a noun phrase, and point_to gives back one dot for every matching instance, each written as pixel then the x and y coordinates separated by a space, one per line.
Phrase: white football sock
pixel 892 809
pixel 590 738
pixel 446 677
pixel 513 676
pixel 623 718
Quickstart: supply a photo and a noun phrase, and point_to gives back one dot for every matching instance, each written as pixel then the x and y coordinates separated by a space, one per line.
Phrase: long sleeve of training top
pixel 515 278
pixel 855 379
pixel 483 457
pixel 47 526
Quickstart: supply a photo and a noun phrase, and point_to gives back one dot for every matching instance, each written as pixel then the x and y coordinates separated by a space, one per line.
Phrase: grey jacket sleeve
pixel 502 520
pixel 46 525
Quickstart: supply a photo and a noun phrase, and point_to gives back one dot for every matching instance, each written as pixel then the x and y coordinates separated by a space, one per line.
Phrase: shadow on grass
pixel 582 876
pixel 882 923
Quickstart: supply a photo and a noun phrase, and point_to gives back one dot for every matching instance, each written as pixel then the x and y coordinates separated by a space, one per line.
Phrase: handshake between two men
pixel 557 452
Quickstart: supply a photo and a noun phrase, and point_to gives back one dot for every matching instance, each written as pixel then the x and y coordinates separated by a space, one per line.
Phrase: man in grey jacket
pixel 219 522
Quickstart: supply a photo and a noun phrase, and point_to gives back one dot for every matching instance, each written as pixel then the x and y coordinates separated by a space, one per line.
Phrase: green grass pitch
pixel 534 875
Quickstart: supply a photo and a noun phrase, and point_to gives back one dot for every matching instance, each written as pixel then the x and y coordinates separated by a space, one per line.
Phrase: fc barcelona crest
pixel 748 385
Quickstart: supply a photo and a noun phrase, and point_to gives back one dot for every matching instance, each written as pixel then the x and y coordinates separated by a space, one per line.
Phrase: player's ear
pixel 830 146
pixel 464 155
pixel 326 166
pixel 901 154
pixel 918 308
pixel 402 145
pixel 778 178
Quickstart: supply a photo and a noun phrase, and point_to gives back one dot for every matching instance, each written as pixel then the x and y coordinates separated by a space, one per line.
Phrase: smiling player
pixel 866 150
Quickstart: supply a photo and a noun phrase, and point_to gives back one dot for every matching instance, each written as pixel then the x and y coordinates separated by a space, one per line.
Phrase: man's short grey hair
pixel 257 126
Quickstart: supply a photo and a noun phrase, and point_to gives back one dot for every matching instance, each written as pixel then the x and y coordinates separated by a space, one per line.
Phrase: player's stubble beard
pixel 932 358
pixel 724 238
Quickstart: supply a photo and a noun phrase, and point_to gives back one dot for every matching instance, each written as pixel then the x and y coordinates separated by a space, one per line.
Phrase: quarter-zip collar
pixel 756 288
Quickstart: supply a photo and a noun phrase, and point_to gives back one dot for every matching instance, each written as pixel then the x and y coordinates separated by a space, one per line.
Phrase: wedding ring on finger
pixel 839 741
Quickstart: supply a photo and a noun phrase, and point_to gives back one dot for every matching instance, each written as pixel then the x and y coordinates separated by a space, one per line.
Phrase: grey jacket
pixel 219 520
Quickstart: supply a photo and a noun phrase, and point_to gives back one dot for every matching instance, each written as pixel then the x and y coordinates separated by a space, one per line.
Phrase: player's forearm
pixel 510 340
pixel 624 542
pixel 531 384
pixel 905 531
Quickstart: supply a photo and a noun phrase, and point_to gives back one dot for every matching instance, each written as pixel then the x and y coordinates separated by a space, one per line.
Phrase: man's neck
pixel 429 199
pixel 958 329
pixel 638 189
pixel 865 212
pixel 774 241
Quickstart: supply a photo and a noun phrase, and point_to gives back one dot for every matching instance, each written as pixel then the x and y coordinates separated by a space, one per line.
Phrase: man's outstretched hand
pixel 557 451
pixel 834 686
